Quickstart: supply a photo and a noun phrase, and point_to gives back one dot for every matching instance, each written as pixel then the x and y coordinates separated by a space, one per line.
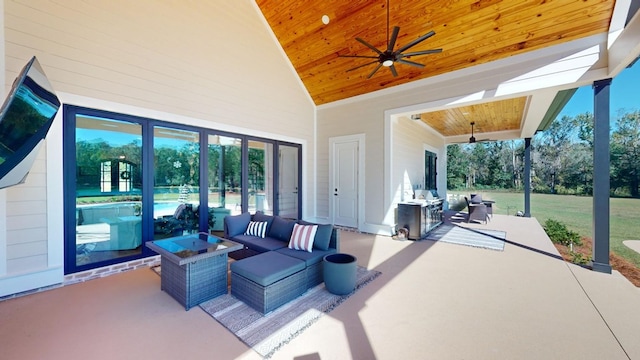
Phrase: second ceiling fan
pixel 389 57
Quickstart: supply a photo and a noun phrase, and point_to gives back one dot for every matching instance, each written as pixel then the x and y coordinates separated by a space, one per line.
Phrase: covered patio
pixel 433 300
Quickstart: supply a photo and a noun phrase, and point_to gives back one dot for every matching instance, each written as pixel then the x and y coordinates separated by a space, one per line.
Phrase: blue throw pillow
pixel 236 224
pixel 281 229
pixel 323 235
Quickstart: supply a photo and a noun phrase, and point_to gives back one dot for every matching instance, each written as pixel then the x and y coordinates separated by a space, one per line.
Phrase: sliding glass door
pixel 260 181
pixel 224 174
pixel 108 178
pixel 128 180
pixel 176 177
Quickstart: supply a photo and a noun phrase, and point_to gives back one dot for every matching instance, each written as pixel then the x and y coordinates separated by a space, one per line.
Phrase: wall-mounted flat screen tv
pixel 25 118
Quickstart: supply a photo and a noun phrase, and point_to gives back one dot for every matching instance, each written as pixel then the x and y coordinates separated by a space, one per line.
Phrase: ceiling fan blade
pixel 359 56
pixel 418 53
pixel 374 70
pixel 416 41
pixel 393 70
pixel 369 45
pixel 407 62
pixel 394 36
pixel 363 65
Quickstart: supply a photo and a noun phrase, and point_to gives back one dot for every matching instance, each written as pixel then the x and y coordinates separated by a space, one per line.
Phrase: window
pixel 430 170
pixel 129 180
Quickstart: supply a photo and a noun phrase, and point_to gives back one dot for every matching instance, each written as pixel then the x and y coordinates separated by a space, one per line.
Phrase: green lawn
pixel 576 213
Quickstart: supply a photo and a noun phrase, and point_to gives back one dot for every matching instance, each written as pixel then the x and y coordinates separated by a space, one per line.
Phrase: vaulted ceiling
pixel 469 32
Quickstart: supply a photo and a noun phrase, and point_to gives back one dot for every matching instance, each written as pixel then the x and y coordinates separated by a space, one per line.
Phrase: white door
pixel 288 182
pixel 344 182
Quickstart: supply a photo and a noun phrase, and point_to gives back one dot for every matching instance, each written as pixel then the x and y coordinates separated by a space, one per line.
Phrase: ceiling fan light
pixel 387 63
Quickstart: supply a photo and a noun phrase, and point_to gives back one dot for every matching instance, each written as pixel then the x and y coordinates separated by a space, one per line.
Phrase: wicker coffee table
pixel 194 267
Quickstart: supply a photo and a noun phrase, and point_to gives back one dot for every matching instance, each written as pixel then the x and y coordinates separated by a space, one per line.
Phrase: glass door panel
pixel 288 181
pixel 260 177
pixel 176 187
pixel 224 179
pixel 108 189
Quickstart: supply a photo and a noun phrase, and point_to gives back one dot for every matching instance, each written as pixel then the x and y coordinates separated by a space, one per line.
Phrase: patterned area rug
pixel 267 333
pixel 487 239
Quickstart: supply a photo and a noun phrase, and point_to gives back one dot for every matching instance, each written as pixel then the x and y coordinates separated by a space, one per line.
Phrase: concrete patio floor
pixel 434 300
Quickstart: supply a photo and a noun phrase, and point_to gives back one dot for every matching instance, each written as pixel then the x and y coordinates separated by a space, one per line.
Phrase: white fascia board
pixel 536 59
pixel 492 136
pixel 567 70
pixel 625 48
pixel 537 107
pixel 618 20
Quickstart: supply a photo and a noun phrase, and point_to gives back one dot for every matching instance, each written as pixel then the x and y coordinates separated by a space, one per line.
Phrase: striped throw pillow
pixel 302 237
pixel 257 228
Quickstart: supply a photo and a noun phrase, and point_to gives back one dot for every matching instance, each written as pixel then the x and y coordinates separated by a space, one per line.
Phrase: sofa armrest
pixel 334 243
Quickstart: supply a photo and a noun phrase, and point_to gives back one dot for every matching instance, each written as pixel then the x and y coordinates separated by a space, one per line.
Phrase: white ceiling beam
pixel 625 48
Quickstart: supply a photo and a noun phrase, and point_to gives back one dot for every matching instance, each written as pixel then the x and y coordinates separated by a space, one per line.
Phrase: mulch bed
pixel 625 267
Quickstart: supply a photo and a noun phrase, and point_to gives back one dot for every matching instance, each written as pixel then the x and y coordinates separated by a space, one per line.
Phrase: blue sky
pixel 624 95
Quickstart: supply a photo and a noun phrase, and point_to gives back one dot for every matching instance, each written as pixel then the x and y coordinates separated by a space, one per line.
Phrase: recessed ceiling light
pixel 325 19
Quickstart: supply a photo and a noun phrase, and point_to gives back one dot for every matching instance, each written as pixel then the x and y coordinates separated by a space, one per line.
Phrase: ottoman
pixel 268 280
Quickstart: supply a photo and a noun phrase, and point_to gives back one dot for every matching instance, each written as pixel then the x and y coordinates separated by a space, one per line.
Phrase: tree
pixel 553 145
pixel 457 167
pixel 625 152
pixel 478 170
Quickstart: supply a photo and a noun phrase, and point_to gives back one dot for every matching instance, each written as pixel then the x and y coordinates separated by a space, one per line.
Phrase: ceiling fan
pixel 472 139
pixel 389 57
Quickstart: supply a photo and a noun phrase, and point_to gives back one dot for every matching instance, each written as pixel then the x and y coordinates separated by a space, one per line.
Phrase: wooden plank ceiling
pixel 494 116
pixel 469 32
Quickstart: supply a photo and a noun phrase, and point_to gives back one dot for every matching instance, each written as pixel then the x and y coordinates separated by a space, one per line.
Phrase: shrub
pixel 578 258
pixel 559 234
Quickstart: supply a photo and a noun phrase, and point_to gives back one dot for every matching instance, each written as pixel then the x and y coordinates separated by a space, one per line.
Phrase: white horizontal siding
pixel 214 63
pixel 26 208
pixel 409 140
pixel 22 235
pixel 210 60
pixel 22 265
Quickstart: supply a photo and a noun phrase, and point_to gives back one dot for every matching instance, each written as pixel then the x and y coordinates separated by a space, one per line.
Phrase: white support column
pixel 3 193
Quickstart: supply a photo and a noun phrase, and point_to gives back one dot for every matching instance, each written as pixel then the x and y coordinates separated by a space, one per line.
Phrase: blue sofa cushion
pixel 236 224
pixel 281 228
pixel 267 268
pixel 259 244
pixel 310 258
pixel 323 235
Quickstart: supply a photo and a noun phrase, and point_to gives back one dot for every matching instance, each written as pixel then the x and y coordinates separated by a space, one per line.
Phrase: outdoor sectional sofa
pixel 268 273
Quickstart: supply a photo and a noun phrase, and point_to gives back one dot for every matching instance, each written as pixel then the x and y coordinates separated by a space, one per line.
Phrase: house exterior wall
pixel 410 140
pixel 406 152
pixel 213 64
pixel 26 229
